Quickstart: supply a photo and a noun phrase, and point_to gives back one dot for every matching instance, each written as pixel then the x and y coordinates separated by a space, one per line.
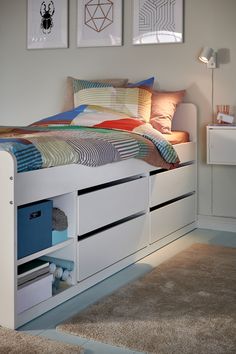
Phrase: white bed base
pixel 145 210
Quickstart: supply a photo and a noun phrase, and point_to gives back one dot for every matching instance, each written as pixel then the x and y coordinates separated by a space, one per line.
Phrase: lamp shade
pixel 206 54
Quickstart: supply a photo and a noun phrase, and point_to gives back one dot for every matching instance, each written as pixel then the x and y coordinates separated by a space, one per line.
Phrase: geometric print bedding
pixel 83 136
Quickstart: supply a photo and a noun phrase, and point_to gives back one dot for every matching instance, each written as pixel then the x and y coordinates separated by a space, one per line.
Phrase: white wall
pixel 32 82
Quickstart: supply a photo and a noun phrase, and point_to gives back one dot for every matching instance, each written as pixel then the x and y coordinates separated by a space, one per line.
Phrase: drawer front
pixel 34 293
pixel 221 146
pixel 108 247
pixel 186 151
pixel 172 217
pixel 105 206
pixel 172 184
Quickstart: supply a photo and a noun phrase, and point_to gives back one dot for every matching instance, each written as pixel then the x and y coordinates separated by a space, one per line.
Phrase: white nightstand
pixel 221 144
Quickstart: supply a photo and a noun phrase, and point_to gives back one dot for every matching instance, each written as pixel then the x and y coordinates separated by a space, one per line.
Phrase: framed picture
pixel 157 21
pixel 99 23
pixel 47 24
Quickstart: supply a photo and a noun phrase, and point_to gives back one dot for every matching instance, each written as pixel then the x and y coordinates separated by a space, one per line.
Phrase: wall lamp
pixel 208 56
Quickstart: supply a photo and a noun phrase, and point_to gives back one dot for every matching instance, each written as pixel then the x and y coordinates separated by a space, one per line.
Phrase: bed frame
pixel 117 214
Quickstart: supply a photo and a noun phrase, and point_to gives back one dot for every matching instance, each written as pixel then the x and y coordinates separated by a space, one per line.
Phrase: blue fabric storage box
pixel 34 227
pixel 59 236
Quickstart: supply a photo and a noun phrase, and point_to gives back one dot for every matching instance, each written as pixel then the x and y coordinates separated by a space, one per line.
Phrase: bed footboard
pixel 8 240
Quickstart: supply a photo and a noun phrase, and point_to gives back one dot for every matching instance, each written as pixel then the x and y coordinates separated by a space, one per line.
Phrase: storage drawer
pixel 172 184
pixel 186 151
pixel 172 217
pixel 107 205
pixel 34 293
pixel 108 247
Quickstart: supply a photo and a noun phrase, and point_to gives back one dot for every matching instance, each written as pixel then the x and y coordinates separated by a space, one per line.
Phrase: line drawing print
pixel 98 14
pixel 158 21
pixel 99 23
pixel 157 15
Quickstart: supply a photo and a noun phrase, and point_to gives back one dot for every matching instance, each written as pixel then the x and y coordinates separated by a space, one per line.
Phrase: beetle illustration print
pixel 47 13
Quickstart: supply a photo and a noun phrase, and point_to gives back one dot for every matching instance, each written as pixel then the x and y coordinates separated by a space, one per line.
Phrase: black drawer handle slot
pixel 109 184
pixel 109 226
pixel 171 201
pixel 35 214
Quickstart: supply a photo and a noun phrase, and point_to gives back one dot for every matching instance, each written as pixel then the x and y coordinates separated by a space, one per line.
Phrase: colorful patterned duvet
pixel 87 135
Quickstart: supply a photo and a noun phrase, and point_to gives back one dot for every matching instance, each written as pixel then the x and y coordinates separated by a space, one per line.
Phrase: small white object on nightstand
pixel 225 118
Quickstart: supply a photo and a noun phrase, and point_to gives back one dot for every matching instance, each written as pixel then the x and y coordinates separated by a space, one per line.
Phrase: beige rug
pixel 185 305
pixel 13 342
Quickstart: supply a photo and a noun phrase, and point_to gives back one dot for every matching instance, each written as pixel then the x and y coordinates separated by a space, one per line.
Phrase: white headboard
pixel 185 118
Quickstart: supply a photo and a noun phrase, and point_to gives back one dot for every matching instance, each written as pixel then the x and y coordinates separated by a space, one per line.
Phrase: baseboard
pixel 216 223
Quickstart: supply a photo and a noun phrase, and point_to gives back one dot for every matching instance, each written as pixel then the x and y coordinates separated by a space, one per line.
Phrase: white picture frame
pixel 99 23
pixel 47 24
pixel 157 21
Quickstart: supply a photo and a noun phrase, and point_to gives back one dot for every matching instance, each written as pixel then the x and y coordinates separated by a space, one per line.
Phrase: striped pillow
pixel 135 102
pixel 72 82
pixel 85 84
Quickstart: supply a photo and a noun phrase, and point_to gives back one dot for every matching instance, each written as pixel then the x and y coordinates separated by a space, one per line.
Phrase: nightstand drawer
pixel 221 145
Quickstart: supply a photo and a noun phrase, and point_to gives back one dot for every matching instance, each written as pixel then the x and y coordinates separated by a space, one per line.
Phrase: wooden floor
pixel 46 324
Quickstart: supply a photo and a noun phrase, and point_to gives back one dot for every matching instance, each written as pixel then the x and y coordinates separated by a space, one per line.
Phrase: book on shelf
pixel 31 267
pixel 33 276
pixel 40 277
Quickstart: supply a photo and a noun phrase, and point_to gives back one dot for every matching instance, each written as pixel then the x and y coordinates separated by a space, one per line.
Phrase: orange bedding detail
pixel 177 137
pixel 123 124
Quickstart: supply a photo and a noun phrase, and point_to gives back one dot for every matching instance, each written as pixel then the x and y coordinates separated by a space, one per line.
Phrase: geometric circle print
pixel 98 14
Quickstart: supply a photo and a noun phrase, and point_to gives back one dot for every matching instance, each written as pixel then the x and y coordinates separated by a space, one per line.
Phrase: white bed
pixel 134 210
